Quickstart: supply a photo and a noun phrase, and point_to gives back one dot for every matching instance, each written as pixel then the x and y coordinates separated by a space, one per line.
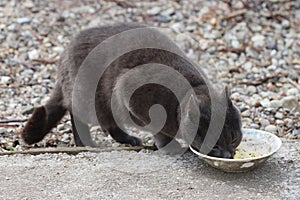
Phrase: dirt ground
pixel 145 175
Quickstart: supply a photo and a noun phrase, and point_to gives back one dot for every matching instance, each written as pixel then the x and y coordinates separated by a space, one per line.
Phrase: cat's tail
pixel 44 118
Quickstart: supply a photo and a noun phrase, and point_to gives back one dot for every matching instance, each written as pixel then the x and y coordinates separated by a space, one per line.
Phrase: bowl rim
pixel 242 159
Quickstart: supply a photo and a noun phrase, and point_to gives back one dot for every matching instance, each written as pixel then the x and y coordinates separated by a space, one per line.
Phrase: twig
pixel 281 1
pixel 12 120
pixel 293 83
pixel 44 61
pixel 233 50
pixel 123 3
pixel 234 14
pixel 260 81
pixel 75 150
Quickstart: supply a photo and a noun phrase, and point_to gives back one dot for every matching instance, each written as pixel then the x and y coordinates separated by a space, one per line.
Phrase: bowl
pixel 263 145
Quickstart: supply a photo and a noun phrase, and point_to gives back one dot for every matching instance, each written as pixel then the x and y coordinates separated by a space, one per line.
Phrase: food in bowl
pixel 241 153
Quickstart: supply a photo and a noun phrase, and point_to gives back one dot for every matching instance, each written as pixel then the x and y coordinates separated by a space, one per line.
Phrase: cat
pixel 44 118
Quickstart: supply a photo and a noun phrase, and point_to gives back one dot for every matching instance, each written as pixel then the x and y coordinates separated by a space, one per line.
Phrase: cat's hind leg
pixel 81 132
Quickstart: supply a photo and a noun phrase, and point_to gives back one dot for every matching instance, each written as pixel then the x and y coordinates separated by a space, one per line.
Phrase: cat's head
pixel 231 133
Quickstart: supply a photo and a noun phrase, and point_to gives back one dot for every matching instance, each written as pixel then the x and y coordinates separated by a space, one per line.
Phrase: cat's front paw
pixel 33 131
pixel 134 141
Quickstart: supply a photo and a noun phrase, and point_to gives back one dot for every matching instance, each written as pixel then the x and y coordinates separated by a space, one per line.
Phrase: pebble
pixel 61 127
pixel 291 103
pixel 275 104
pixel 28 110
pixel 271 129
pixel 154 11
pixel 5 80
pixel 28 4
pixel 285 24
pixel 235 44
pixel 23 20
pixel 255 126
pixel 163 19
pixel 251 89
pixel 258 41
pixel 58 49
pixel 246 113
pixel 168 12
pixel 271 44
pixel 65 138
pixel 265 103
pixel 292 92
pixel 2 130
pixel 278 115
pixel 3 141
pixel 293 75
pixel 264 122
pixel 34 54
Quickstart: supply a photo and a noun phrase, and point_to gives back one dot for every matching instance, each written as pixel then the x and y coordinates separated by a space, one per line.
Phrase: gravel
pixel 251 46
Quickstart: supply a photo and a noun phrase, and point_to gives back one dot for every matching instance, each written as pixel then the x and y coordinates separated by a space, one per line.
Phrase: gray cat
pixel 46 117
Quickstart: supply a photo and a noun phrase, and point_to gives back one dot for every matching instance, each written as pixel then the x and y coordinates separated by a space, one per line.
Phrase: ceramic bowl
pixel 264 145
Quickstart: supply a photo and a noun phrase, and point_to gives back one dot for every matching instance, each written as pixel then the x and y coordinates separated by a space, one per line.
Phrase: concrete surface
pixel 145 175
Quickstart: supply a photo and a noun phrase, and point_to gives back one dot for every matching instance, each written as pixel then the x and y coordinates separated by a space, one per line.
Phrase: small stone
pixel 115 145
pixel 291 103
pixel 163 19
pixel 65 138
pixel 3 141
pixel 271 44
pixel 247 66
pixel 23 20
pixel 27 72
pixel 28 110
pixel 258 41
pixel 279 115
pixel 293 75
pixel 58 49
pixel 292 92
pixel 181 37
pixel 264 122
pixel 34 54
pixel 11 27
pixel 2 130
pixel 246 113
pixel 271 86
pixel 35 101
pixel 28 4
pixel 255 126
pixel 154 11
pixel 265 103
pixel 296 132
pixel 5 80
pixel 61 127
pixel 275 104
pixel 251 89
pixel 235 44
pixel 179 16
pixel 168 12
pixel 271 129
pixel 177 27
pixel 285 24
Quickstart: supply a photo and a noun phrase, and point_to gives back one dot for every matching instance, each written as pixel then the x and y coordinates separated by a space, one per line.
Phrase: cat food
pixel 241 153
